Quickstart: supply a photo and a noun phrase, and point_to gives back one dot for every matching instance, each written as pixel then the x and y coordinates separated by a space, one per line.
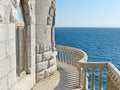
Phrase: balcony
pixel 75 73
pixel 78 59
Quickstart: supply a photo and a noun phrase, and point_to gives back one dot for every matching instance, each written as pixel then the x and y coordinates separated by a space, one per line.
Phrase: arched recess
pixel 22 39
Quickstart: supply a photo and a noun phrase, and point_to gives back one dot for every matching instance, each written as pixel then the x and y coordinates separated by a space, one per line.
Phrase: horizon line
pixel 81 27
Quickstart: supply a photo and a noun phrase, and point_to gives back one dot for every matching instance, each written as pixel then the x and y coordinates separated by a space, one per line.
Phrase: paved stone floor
pixel 66 78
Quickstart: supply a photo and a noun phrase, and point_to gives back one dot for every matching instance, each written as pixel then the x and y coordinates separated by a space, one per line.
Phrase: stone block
pixel 11 31
pixel 51 62
pixel 54 53
pixel 2 50
pixel 7 65
pixel 3 32
pixel 51 70
pixel 11 78
pixel 2 68
pixel 41 20
pixel 42 66
pixel 46 56
pixel 13 61
pixel 40 75
pixel 39 57
pixel 3 84
pixel 11 47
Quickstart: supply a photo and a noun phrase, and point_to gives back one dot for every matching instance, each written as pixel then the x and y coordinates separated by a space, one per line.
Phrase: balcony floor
pixel 65 79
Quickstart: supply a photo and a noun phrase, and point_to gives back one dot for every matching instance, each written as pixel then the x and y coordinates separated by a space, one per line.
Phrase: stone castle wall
pixel 7 56
pixel 45 52
pixel 9 80
pixel 40 19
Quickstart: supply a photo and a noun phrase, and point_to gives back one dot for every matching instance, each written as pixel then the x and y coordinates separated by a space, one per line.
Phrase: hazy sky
pixel 88 13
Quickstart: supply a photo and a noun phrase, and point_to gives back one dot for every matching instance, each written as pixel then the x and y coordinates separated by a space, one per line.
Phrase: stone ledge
pixel 25 84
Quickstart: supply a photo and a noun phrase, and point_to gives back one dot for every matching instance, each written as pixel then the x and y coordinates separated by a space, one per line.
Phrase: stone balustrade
pixel 70 55
pixel 113 75
pixel 78 58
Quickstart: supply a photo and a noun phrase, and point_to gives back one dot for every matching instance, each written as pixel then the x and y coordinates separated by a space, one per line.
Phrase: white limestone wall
pixel 7 56
pixel 45 56
pixel 9 80
pixel 43 25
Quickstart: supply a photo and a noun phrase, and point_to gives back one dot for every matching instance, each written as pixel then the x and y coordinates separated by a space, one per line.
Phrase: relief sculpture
pixel 8 12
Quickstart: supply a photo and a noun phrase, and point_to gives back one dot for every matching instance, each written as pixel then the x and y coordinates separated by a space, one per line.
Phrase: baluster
pixel 62 56
pixel 79 57
pixel 108 82
pixel 70 58
pixel 75 59
pixel 80 77
pixel 100 79
pixel 84 87
pixel 58 55
pixel 111 84
pixel 67 57
pixel 82 80
pixel 92 79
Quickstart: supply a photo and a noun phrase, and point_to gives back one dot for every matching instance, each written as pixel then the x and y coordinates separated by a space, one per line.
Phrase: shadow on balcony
pixel 73 73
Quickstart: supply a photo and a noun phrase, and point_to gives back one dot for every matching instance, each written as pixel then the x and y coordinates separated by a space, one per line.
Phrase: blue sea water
pixel 100 44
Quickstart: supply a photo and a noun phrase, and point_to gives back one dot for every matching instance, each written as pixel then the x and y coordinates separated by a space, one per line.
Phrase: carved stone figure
pixel 13 11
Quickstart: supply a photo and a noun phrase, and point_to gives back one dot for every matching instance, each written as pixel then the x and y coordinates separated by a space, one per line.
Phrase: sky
pixel 87 13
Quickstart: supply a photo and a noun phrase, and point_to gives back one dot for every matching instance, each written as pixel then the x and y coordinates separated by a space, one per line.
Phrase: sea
pixel 100 44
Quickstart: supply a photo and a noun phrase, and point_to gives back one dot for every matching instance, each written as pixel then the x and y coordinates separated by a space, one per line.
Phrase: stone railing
pixel 70 55
pixel 113 75
pixel 78 58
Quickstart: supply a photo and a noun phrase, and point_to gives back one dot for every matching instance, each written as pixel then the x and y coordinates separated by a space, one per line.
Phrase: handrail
pixel 71 55
pixel 78 58
pixel 113 75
